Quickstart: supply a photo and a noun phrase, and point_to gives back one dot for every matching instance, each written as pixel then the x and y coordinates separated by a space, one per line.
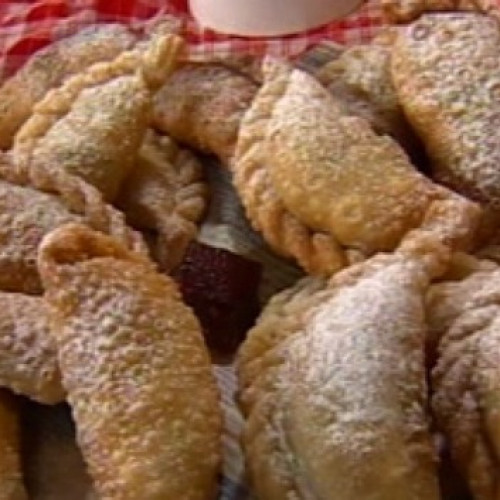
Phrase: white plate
pixel 268 17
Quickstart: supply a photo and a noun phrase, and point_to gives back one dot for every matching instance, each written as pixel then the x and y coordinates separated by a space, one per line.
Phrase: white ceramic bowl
pixel 268 17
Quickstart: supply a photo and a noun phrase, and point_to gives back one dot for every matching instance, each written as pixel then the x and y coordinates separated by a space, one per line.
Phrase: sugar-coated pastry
pixel 28 360
pixel 446 74
pixel 93 125
pixel 333 387
pixel 360 80
pixel 136 370
pixel 464 315
pixel 27 215
pixel 201 106
pixel 304 168
pixel 404 11
pixel 165 193
pixel 50 66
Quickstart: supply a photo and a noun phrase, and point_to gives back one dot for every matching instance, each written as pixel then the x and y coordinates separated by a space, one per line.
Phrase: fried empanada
pixel 27 215
pixel 50 66
pixel 93 125
pixel 445 69
pixel 360 80
pixel 135 367
pixel 165 193
pixel 465 314
pixel 11 482
pixel 333 386
pixel 404 11
pixel 317 252
pixel 303 168
pixel 201 106
pixel 28 361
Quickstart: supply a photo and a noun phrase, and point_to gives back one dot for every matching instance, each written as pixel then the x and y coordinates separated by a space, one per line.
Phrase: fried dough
pixel 446 74
pixel 303 168
pixel 136 370
pixel 165 193
pixel 404 11
pixel 201 106
pixel 360 80
pixel 27 215
pixel 28 360
pixel 333 386
pixel 93 125
pixel 465 315
pixel 50 66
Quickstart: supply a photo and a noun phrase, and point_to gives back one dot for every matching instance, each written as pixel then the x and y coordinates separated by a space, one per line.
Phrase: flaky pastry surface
pixel 299 156
pixel 202 105
pixel 136 370
pixel 446 74
pixel 334 390
pixel 404 11
pixel 28 360
pixel 360 79
pixel 50 66
pixel 165 193
pixel 28 214
pixel 465 315
pixel 93 125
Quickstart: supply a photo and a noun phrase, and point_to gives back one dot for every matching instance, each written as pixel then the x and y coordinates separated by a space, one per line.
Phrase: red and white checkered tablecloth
pixel 26 26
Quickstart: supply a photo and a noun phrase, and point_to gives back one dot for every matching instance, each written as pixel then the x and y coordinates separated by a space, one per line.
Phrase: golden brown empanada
pixel 26 215
pixel 446 74
pixel 360 80
pixel 303 167
pixel 135 367
pixel 201 105
pixel 404 11
pixel 50 66
pixel 11 483
pixel 93 125
pixel 165 193
pixel 465 315
pixel 333 385
pixel 28 361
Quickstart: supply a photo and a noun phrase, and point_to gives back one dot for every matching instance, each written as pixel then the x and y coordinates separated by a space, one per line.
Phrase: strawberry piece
pixel 222 288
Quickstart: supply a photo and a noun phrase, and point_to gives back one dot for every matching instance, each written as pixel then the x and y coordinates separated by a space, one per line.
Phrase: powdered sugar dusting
pixel 337 393
pixel 135 367
pixel 446 72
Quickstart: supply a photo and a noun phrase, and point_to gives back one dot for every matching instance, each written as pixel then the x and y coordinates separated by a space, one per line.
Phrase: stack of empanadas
pixel 377 174
pixel 85 144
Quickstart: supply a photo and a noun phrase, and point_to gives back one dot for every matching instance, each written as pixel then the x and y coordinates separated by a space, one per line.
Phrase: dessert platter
pixel 249 276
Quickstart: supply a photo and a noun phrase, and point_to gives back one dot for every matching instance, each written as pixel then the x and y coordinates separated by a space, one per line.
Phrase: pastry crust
pixel 465 315
pixel 201 106
pixel 316 252
pixel 446 74
pixel 28 361
pixel 300 158
pixel 11 484
pixel 404 11
pixel 93 125
pixel 50 66
pixel 27 215
pixel 135 367
pixel 165 193
pixel 360 80
pixel 334 390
